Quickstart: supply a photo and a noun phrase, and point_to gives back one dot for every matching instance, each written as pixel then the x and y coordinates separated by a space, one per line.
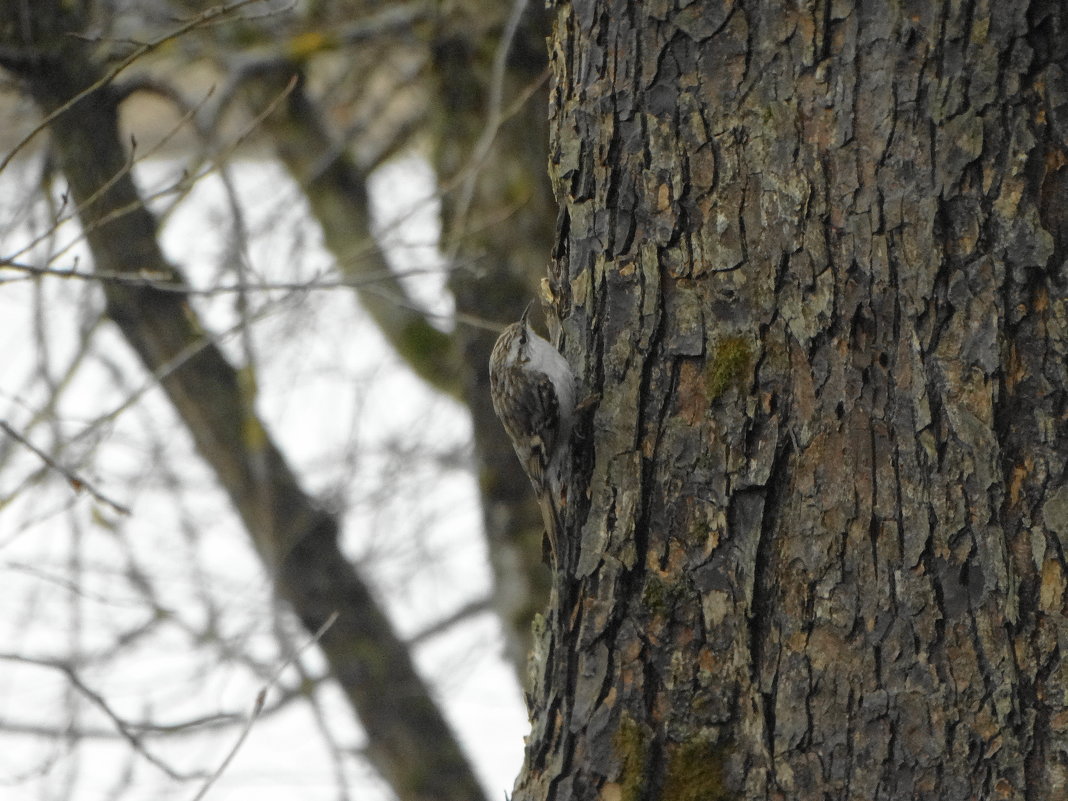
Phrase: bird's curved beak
pixel 526 312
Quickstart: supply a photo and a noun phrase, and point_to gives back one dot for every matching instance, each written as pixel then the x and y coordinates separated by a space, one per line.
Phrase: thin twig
pixel 98 700
pixel 257 707
pixel 494 118
pixel 181 186
pixel 195 22
pixel 76 482
pixel 314 284
pixel 164 281
pixel 470 609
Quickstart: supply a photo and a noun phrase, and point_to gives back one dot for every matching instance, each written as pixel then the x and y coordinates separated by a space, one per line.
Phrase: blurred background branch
pixel 144 104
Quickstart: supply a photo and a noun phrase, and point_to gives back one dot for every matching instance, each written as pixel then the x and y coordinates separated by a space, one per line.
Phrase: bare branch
pixel 77 483
pixel 471 609
pixel 495 117
pixel 101 703
pixel 197 21
pixel 257 707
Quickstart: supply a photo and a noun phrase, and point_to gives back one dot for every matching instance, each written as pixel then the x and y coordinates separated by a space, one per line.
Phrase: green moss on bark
pixel 632 744
pixel 731 362
pixel 695 771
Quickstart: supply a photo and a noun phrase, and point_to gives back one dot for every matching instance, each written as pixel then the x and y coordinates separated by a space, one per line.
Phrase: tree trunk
pixel 813 262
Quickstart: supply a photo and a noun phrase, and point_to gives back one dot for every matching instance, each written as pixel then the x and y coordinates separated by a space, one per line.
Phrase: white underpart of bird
pixel 533 392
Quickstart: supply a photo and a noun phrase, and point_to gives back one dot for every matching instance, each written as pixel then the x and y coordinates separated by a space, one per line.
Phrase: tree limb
pixel 411 744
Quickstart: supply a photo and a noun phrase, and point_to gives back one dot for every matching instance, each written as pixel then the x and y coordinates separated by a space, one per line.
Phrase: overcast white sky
pixel 362 433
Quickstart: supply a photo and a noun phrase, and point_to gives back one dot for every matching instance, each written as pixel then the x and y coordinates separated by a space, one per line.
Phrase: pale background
pixel 363 434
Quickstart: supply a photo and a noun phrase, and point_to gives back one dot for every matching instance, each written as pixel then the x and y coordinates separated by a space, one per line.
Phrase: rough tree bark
pixel 813 260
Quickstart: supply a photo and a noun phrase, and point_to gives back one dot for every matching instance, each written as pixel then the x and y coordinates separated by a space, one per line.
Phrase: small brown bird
pixel 533 392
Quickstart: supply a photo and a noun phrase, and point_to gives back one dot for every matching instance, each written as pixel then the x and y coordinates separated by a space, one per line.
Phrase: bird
pixel 533 391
